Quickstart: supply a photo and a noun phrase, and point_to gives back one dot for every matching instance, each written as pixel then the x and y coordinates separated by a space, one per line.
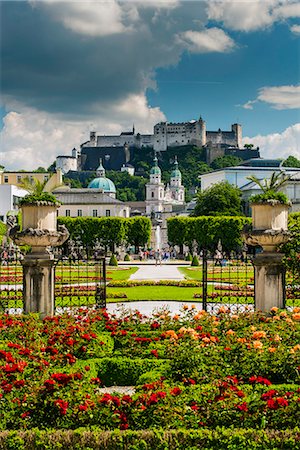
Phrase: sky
pixel 68 68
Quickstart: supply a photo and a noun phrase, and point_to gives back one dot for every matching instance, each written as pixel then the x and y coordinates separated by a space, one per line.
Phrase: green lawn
pixel 230 273
pixel 120 273
pixel 156 293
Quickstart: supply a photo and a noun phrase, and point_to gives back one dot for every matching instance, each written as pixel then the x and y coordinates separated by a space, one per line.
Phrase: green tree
pixel 138 231
pixel 225 161
pixel 220 199
pixel 291 161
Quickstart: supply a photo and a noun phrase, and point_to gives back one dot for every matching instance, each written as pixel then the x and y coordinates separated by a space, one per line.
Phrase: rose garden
pixel 223 372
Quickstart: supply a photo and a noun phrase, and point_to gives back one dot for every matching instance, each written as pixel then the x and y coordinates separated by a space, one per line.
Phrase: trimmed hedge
pixel 123 371
pixel 207 231
pixel 97 439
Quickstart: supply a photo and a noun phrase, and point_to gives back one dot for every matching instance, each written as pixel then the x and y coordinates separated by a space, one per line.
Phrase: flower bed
pixel 190 371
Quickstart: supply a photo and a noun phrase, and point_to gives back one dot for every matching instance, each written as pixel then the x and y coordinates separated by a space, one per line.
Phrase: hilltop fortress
pixel 167 134
pixel 116 150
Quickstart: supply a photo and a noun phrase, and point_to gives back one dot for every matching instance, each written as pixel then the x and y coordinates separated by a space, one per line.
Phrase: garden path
pixel 159 272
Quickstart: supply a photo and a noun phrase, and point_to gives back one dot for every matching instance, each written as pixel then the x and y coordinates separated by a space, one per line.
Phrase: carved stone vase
pixel 269 230
pixel 39 230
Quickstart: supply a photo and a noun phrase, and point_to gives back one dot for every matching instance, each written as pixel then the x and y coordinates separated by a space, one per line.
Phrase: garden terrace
pixel 191 371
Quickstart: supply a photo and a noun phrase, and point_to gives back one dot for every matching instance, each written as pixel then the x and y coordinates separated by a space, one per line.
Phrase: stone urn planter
pixel 39 230
pixel 269 230
pixel 270 215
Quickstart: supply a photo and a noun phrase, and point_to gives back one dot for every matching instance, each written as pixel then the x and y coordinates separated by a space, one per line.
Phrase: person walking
pixel 157 257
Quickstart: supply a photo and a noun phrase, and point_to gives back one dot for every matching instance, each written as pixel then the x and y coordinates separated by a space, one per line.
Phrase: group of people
pixel 157 255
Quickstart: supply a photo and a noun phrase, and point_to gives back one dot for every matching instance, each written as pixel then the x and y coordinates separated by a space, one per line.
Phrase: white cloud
pixel 209 40
pixel 295 29
pixel 249 104
pixel 92 18
pixel 31 138
pixel 281 97
pixel 250 15
pixel 278 145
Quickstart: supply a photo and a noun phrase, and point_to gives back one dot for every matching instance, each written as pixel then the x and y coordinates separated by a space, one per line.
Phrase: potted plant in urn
pixel 270 208
pixel 39 218
pixel 269 212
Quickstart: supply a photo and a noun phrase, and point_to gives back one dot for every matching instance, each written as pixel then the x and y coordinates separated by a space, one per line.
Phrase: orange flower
pixel 259 334
pixel 223 310
pixel 274 309
pixel 296 316
pixel 297 347
pixel 272 349
pixel 171 334
pixel 242 340
pixel 176 317
pixel 235 316
pixel 257 344
pixel 276 318
pixel 230 332
pixel 185 307
pixel 296 309
pixel 277 338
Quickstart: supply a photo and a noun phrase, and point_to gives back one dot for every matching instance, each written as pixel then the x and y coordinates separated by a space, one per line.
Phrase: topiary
pixel 195 261
pixel 113 261
pixel 188 257
pixel 127 257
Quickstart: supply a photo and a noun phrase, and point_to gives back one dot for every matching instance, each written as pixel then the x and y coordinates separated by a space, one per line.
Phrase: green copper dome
pixel 176 172
pixel 155 170
pixel 103 183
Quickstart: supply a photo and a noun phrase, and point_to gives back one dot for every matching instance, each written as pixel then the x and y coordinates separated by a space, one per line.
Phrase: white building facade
pixel 9 198
pixel 237 176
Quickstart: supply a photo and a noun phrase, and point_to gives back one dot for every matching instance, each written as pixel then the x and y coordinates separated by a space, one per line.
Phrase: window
pixel 68 213
pixel 152 194
pixel 107 213
pixel 95 213
pixel 79 212
pixel 46 177
pixel 124 213
pixel 6 179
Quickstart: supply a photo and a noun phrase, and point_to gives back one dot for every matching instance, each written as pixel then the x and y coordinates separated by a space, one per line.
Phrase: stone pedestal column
pixel 269 281
pixel 38 285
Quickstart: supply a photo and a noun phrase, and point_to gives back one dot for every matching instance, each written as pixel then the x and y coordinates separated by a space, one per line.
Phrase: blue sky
pixel 72 67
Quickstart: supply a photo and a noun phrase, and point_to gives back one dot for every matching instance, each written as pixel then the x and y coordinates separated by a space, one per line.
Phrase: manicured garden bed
pixel 193 375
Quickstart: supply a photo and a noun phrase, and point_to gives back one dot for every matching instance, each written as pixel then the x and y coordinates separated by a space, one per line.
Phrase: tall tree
pixel 291 161
pixel 220 199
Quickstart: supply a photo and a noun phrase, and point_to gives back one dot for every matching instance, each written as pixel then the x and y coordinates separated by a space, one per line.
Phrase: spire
pixel 100 170
pixel 176 162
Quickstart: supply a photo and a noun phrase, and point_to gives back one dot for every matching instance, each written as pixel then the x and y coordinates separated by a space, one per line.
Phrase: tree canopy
pixel 220 199
pixel 225 161
pixel 291 161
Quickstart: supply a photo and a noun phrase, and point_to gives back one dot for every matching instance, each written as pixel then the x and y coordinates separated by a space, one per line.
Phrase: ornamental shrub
pixel 127 257
pixel 126 371
pixel 113 260
pixel 188 257
pixel 195 261
pixel 220 438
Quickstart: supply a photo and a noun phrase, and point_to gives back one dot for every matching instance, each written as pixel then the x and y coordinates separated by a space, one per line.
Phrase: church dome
pixel 155 170
pixel 176 172
pixel 101 182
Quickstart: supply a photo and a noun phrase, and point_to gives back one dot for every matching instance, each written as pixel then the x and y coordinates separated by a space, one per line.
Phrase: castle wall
pixel 66 163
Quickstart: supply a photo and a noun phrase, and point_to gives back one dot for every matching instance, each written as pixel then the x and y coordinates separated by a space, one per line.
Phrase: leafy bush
pixel 126 371
pixel 195 261
pixel 188 257
pixel 35 199
pixel 113 261
pixel 220 438
pixel 127 257
pixel 269 197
